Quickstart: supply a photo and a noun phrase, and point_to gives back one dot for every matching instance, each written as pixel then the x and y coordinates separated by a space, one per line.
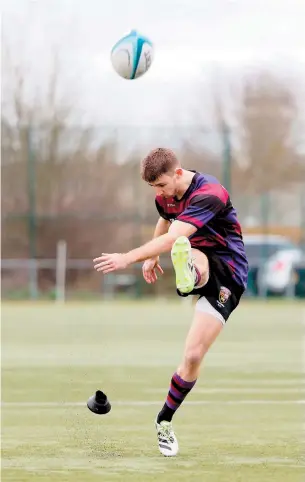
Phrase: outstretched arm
pixel 161 244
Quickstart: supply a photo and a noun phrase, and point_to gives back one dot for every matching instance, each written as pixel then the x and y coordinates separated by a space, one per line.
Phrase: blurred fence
pixel 38 279
pixel 84 187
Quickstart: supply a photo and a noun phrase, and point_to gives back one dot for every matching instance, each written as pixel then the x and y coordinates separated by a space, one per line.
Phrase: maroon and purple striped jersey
pixel 207 206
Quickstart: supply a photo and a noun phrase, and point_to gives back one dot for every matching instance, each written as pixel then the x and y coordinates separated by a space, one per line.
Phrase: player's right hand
pixel 150 268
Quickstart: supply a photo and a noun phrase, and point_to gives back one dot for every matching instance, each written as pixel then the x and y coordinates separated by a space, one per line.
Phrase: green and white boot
pixel 168 444
pixel 182 260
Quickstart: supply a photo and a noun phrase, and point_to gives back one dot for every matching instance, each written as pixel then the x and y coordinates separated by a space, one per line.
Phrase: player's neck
pixel 184 183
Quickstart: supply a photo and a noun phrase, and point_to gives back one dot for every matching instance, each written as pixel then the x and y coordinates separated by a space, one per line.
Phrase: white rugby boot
pixel 168 444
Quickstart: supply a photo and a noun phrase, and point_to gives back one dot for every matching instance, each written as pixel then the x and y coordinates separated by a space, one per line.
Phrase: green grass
pixel 242 423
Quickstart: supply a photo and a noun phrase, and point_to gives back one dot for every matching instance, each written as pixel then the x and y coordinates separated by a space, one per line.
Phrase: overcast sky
pixel 194 41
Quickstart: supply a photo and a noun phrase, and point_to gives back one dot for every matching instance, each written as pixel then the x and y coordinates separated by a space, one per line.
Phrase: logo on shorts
pixel 224 294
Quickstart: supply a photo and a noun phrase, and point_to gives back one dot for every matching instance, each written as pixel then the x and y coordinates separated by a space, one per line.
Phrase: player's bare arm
pixel 109 262
pixel 151 266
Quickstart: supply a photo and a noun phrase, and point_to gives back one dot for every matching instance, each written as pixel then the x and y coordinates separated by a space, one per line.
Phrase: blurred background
pixel 225 91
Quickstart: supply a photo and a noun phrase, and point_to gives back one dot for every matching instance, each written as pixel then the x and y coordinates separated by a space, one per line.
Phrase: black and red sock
pixel 178 390
pixel 198 276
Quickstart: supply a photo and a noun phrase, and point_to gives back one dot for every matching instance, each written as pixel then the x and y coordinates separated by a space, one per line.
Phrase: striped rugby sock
pixel 178 390
pixel 197 277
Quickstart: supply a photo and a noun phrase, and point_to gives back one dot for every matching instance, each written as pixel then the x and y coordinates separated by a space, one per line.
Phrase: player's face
pixel 166 185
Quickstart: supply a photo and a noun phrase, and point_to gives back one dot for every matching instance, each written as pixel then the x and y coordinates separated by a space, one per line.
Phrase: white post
pixel 61 263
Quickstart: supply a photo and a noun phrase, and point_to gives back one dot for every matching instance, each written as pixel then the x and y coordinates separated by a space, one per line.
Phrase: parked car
pixel 299 272
pixel 278 276
pixel 259 249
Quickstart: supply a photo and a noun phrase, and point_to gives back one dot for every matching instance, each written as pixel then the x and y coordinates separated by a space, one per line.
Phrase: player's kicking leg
pixel 191 267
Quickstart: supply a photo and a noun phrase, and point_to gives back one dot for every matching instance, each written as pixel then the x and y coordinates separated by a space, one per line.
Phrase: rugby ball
pixel 132 55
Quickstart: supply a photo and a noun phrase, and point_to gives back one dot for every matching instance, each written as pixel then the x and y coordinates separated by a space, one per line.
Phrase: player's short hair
pixel 159 161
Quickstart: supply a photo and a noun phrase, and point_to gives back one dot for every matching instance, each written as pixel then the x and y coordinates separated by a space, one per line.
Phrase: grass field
pixel 243 422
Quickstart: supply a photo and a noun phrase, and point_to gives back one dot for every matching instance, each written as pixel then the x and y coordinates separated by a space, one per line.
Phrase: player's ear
pixel 179 171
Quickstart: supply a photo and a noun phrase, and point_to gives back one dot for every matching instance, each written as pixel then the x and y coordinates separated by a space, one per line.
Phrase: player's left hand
pixel 110 262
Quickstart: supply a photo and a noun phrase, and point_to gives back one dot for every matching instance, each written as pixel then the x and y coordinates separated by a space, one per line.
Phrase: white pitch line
pixel 225 390
pixel 147 403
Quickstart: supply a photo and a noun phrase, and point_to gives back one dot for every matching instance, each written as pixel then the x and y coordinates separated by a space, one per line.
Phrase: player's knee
pixel 202 264
pixel 193 358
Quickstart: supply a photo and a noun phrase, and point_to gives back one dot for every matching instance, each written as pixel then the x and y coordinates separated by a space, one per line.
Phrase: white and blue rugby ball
pixel 132 55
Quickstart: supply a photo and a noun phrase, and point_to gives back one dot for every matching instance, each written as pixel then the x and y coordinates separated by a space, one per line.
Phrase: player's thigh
pixel 203 331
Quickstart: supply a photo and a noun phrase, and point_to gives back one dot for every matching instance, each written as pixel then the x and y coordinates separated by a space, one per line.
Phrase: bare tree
pixel 267 120
pixel 61 177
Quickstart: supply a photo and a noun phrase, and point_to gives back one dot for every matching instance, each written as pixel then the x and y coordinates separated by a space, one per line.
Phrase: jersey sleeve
pixel 201 209
pixel 161 211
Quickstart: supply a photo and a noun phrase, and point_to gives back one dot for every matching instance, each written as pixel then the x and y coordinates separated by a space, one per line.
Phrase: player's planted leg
pixel 204 330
